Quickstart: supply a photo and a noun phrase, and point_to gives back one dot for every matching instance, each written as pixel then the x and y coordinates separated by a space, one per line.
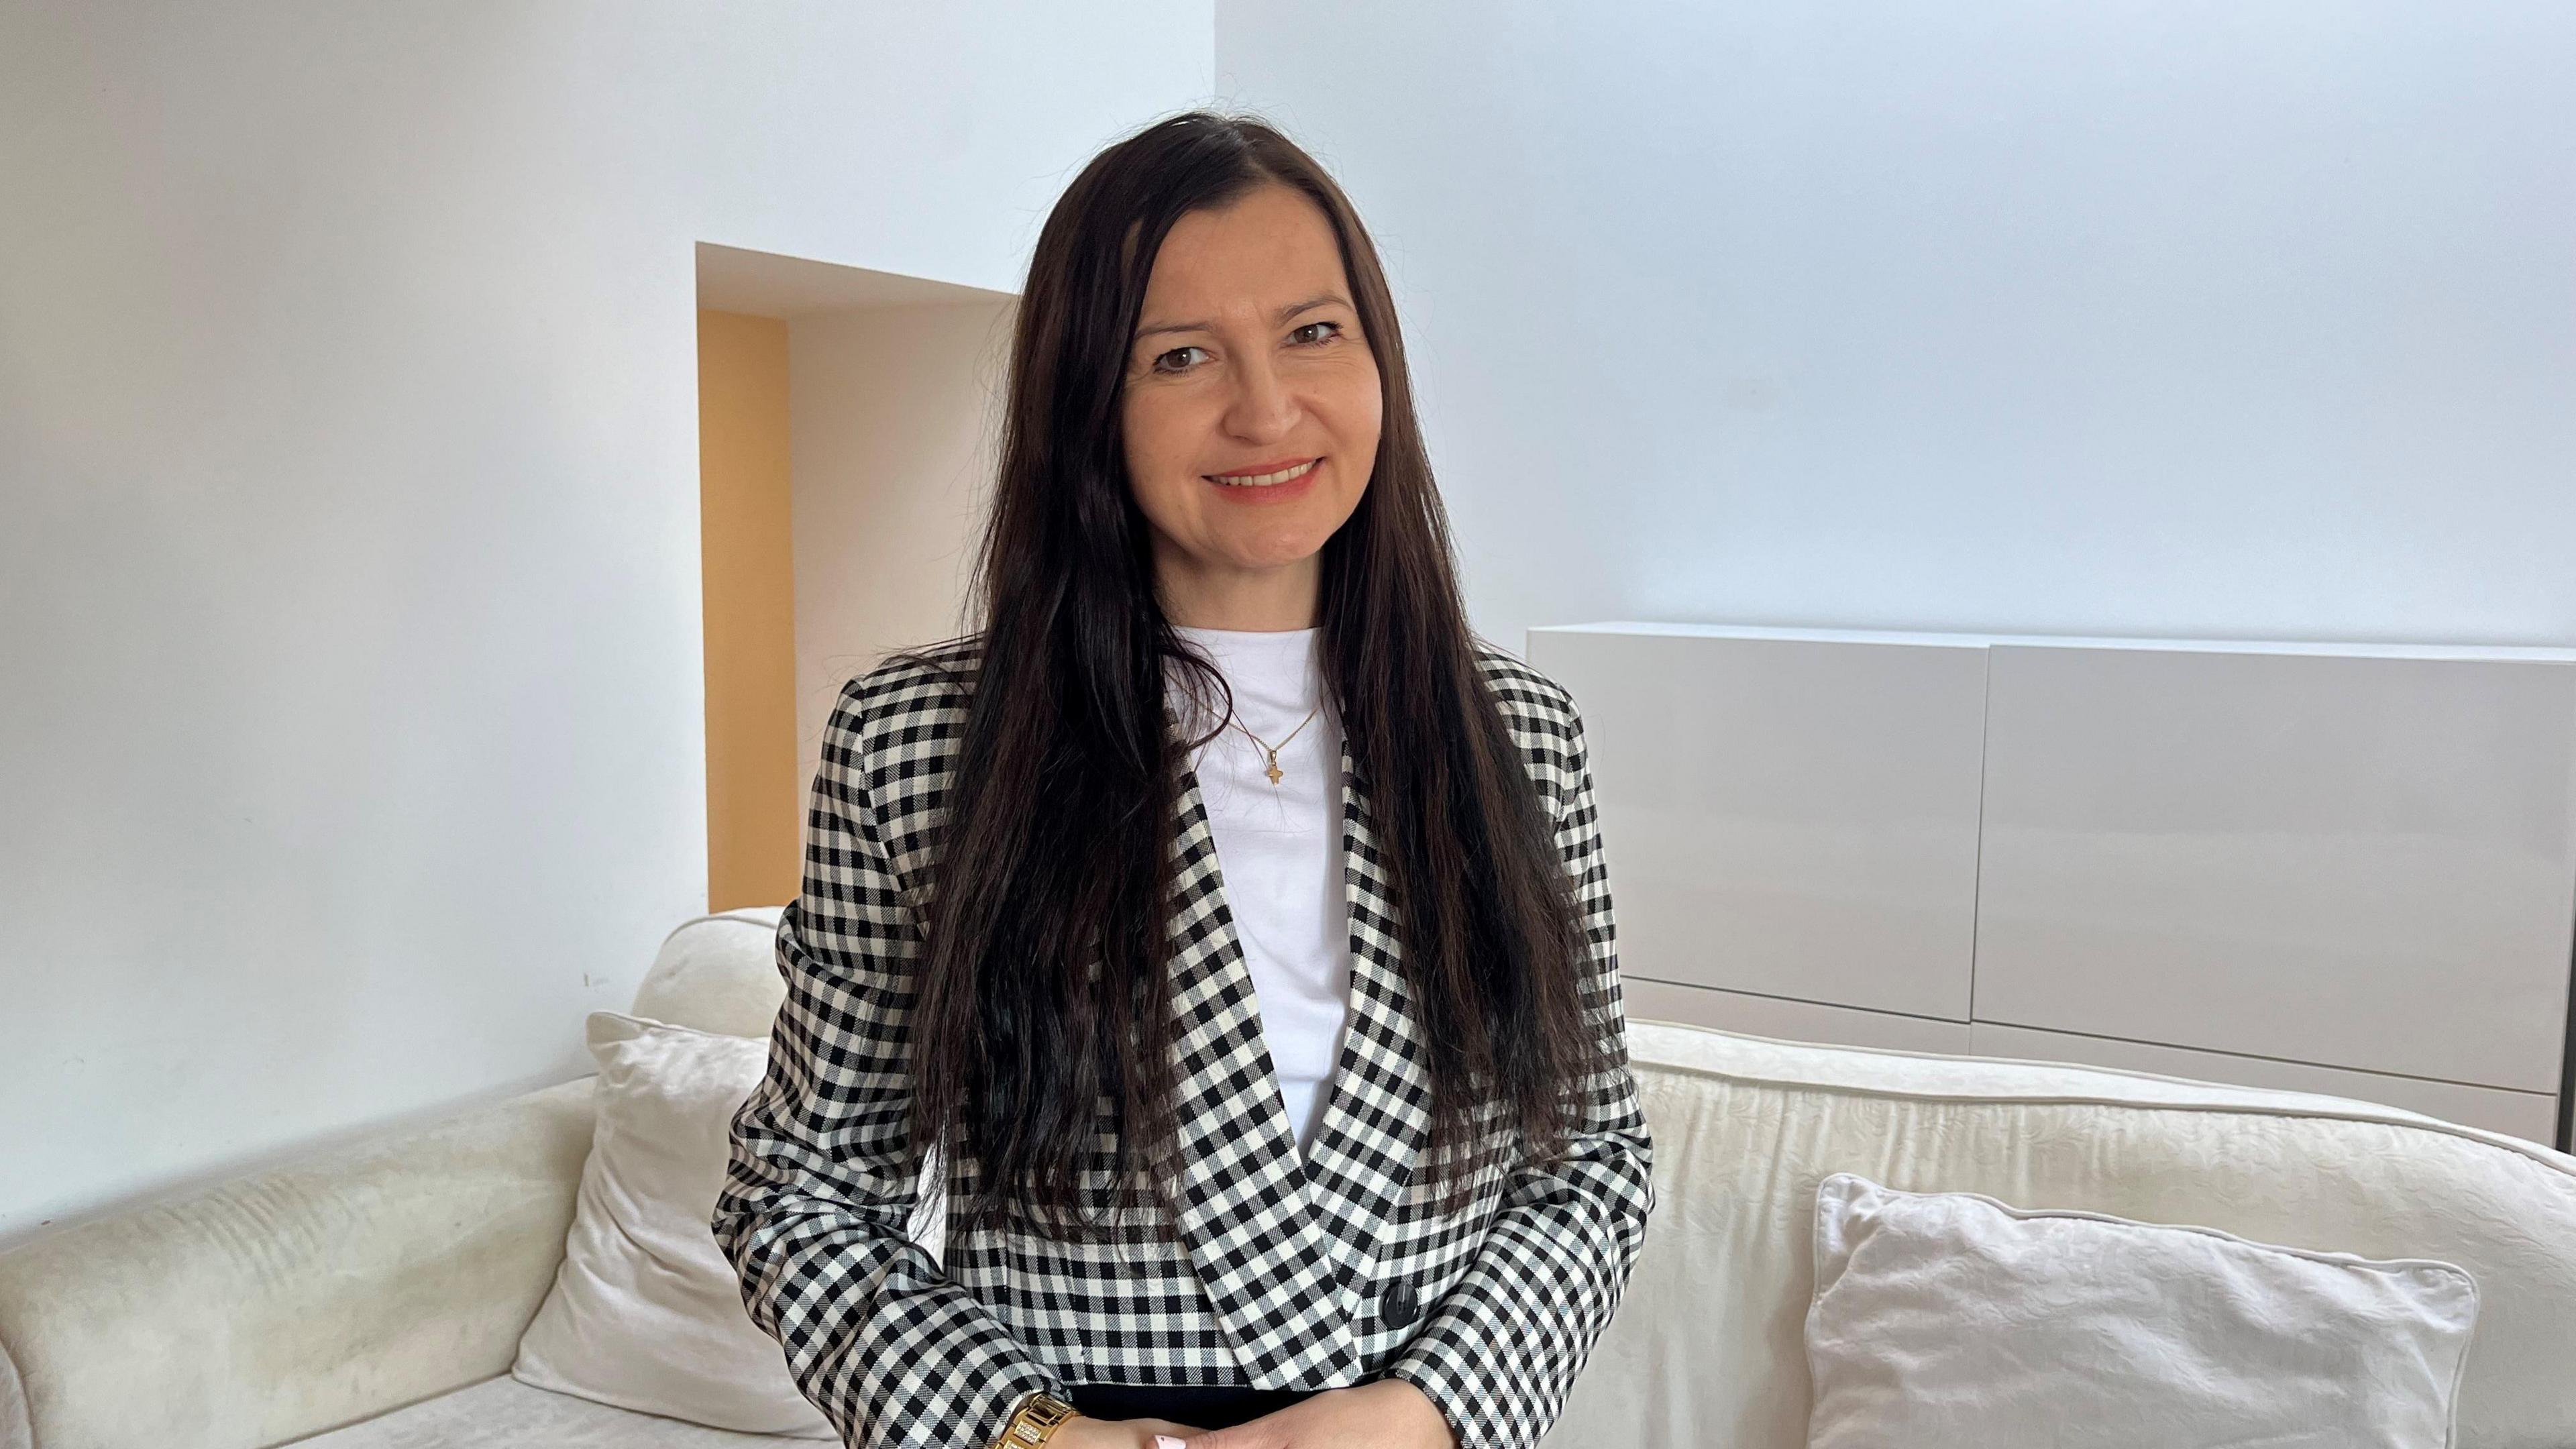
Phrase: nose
pixel 1262 408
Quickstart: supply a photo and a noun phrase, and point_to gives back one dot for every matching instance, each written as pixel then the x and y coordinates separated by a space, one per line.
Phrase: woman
pixel 1233 918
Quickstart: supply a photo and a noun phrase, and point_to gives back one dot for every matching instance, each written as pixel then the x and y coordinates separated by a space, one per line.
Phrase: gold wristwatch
pixel 1034 1422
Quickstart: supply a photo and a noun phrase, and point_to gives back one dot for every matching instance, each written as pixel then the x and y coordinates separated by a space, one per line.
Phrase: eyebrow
pixel 1326 299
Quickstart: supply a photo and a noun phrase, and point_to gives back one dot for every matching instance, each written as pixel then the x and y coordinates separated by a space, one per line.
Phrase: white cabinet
pixel 1788 817
pixel 2347 865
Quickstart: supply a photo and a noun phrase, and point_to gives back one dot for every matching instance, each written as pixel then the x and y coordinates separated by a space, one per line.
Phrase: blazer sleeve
pixel 817 1198
pixel 1498 1354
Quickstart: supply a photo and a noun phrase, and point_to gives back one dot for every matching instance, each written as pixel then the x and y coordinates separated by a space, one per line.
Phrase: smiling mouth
pixel 1288 474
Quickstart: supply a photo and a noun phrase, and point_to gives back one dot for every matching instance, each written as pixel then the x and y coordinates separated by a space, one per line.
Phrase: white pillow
pixel 1951 1319
pixel 646 1312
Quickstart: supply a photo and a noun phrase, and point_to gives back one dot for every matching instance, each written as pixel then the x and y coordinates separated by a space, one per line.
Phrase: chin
pixel 1269 550
pixel 1277 558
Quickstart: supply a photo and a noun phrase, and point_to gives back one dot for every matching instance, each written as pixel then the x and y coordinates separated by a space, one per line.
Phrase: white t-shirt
pixel 1279 849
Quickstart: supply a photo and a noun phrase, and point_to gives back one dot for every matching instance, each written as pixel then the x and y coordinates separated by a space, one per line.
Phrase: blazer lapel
pixel 1377 1113
pixel 1287 1247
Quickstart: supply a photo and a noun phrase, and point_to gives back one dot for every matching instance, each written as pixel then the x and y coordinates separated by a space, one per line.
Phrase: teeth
pixel 1263 480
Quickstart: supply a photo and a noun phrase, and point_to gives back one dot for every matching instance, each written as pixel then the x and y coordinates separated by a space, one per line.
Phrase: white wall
pixel 351 743
pixel 895 416
pixel 350 716
pixel 2198 319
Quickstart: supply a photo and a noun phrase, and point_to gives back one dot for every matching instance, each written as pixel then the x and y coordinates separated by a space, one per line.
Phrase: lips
pixel 1265 475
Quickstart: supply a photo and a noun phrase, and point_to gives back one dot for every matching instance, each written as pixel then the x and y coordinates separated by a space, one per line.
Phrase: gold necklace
pixel 1268 748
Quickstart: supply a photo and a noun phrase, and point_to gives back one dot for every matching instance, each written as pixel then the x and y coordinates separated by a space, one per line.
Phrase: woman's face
pixel 1250 411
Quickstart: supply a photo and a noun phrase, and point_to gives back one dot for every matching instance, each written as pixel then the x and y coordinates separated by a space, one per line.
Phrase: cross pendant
pixel 1273 771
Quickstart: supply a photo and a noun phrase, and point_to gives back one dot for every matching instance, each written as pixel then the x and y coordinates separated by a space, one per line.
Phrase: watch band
pixel 1034 1422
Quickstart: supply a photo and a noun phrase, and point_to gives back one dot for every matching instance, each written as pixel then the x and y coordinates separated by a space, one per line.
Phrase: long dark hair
pixel 1044 990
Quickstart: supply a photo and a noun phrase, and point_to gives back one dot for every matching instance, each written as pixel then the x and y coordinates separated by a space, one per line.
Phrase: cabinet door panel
pixel 1791 817
pixel 2341 859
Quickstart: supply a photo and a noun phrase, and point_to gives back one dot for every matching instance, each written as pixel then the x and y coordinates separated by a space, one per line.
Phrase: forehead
pixel 1273 245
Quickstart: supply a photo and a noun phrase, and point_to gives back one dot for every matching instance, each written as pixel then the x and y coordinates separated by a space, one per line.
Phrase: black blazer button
pixel 1396 1308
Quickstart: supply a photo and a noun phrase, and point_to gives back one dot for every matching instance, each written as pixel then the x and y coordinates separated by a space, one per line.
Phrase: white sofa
pixel 373 1297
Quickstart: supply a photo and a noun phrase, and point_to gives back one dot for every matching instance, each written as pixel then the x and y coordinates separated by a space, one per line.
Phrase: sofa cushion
pixel 717 973
pixel 1949 1320
pixel 646 1313
pixel 503 1413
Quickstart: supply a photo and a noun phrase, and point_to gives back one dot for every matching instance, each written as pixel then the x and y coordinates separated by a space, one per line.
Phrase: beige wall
pixel 748 565
pixel 895 423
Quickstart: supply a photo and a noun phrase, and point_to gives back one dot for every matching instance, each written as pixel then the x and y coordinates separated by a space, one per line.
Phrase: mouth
pixel 1264 475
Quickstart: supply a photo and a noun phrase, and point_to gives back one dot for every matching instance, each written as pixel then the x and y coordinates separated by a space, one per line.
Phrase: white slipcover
pixel 368 1279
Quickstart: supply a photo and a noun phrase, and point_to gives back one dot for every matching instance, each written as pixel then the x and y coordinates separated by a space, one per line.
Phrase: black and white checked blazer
pixel 1322 1271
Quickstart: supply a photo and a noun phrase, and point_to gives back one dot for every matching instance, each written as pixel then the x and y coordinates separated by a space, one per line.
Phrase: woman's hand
pixel 1387 1414
pixel 1085 1432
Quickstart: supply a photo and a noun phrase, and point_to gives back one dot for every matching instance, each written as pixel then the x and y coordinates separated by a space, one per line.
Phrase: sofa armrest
pixel 299 1299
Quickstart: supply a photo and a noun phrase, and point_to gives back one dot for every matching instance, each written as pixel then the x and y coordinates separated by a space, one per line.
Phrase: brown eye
pixel 1322 330
pixel 1175 360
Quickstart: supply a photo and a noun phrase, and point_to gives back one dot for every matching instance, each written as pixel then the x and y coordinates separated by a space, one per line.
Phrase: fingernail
pixel 1166 1441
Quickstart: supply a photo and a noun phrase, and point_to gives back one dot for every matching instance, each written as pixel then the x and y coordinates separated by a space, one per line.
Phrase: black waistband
pixel 1201 1406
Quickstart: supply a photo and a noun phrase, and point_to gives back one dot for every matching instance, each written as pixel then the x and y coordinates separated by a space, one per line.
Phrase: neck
pixel 1261 600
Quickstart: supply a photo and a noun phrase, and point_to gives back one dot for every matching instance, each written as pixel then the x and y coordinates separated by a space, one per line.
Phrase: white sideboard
pixel 2342 868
